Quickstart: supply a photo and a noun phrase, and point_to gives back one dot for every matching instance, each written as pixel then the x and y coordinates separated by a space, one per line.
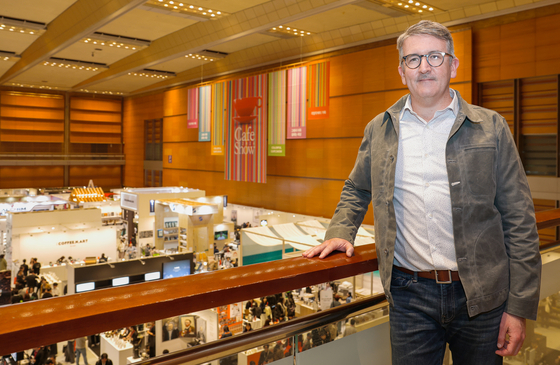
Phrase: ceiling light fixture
pixel 194 12
pixel 22 25
pixel 153 74
pixel 287 32
pixel 111 40
pixel 9 56
pixel 75 64
pixel 415 7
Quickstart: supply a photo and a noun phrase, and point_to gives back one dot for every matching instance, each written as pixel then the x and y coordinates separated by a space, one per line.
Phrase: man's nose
pixel 424 65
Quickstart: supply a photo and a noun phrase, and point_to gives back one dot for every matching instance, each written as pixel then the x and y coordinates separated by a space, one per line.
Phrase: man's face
pixel 170 326
pixel 427 82
pixel 187 323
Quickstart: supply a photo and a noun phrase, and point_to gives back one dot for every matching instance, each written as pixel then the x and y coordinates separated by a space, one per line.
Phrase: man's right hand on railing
pixel 325 248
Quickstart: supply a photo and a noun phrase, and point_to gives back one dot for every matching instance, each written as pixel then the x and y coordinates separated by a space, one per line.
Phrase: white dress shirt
pixel 421 198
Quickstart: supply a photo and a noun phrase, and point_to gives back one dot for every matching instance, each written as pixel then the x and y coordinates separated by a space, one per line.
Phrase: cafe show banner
pixel 204 113
pixel 192 108
pixel 221 105
pixel 245 135
pixel 296 115
pixel 277 113
pixel 318 76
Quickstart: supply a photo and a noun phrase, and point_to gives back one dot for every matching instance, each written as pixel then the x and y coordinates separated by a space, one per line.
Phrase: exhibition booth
pixel 138 206
pixel 49 235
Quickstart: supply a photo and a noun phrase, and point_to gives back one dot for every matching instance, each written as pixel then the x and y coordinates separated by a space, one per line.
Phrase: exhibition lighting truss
pixel 207 55
pixel 153 74
pixel 21 26
pixel 289 31
pixel 74 64
pixel 9 56
pixel 185 9
pixel 116 41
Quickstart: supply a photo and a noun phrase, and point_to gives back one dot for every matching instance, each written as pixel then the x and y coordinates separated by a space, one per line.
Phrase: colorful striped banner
pixel 221 106
pixel 297 118
pixel 246 132
pixel 277 113
pixel 318 76
pixel 192 108
pixel 204 112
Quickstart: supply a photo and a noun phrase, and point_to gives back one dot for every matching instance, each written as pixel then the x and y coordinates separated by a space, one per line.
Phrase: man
pixel 131 251
pixel 35 266
pixel 81 350
pixel 3 263
pixel 449 194
pixel 104 360
pixel 350 328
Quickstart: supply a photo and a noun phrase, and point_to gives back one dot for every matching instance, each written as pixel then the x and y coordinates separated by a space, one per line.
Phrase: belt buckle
pixel 446 281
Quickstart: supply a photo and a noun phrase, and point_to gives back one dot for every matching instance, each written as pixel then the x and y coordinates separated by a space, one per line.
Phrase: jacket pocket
pixel 479 165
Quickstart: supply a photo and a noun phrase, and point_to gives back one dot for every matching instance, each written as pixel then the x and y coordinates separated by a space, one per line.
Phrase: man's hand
pixel 325 248
pixel 514 327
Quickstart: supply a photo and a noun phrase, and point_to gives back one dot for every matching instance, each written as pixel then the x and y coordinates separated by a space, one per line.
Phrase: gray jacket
pixel 494 226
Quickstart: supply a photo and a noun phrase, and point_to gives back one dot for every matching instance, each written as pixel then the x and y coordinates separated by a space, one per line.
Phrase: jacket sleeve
pixel 355 196
pixel 515 204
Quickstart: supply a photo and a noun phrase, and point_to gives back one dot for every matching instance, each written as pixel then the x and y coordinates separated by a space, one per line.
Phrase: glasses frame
pixel 443 54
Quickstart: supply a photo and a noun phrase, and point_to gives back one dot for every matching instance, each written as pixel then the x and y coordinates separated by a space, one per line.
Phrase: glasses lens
pixel 413 60
pixel 435 59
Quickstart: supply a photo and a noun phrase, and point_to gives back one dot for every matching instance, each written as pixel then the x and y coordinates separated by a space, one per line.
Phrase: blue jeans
pixel 84 354
pixel 427 315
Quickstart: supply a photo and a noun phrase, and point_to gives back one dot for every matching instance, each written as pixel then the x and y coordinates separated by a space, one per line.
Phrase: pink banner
pixel 192 110
pixel 297 118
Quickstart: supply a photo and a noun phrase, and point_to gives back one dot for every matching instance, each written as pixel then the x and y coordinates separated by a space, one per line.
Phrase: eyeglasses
pixel 435 59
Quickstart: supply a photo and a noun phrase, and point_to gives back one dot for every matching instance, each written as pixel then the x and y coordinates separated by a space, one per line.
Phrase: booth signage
pixel 72 242
pixel 129 201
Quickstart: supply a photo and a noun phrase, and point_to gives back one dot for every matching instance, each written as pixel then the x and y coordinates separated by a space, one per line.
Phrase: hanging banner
pixel 246 132
pixel 192 109
pixel 318 76
pixel 277 113
pixel 221 105
pixel 297 118
pixel 205 103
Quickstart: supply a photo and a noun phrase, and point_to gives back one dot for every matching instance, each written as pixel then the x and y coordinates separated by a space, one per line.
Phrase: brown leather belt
pixel 440 276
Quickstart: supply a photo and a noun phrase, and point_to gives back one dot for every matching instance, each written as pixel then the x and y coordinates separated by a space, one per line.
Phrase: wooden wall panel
pixel 31 176
pixel 175 102
pixel 175 130
pixel 105 176
pixel 192 156
pixel 136 111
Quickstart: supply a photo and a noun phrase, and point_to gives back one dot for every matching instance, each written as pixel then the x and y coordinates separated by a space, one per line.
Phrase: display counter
pixel 117 350
pixel 303 309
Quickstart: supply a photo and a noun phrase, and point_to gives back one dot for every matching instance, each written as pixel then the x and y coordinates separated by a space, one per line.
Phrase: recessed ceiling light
pixel 171 2
pixel 209 10
pixel 212 14
pixel 199 8
pixel 406 6
pixel 417 4
pixel 280 27
pixel 425 6
pixel 419 11
pixel 192 7
pixel 288 28
pixel 430 9
pixel 219 12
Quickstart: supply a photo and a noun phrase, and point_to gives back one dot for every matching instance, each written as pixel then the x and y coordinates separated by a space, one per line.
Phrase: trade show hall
pixel 259 182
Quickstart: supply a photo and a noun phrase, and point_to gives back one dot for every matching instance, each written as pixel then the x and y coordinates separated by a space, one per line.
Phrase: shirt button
pixel 427 184
pixel 386 252
pixel 430 216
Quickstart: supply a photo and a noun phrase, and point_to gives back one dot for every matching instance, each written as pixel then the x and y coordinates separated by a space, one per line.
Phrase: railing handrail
pixel 31 324
pixel 235 344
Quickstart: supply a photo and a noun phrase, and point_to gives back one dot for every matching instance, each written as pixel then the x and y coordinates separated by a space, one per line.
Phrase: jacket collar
pixel 466 111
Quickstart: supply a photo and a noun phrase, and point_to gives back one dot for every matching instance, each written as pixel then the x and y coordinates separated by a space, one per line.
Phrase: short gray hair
pixel 426 27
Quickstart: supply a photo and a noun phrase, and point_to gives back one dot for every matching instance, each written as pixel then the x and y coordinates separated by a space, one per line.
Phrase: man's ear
pixel 401 72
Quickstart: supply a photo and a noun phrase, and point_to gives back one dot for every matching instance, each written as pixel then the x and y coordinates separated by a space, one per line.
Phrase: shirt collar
pixel 453 106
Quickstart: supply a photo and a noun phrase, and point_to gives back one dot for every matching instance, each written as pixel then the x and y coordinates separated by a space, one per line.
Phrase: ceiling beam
pixel 205 35
pixel 76 22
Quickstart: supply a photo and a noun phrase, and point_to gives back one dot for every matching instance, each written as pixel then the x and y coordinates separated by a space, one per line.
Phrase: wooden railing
pixel 37 323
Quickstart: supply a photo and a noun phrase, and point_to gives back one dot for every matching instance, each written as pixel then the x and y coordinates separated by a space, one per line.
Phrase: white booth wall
pixel 138 200
pixel 48 235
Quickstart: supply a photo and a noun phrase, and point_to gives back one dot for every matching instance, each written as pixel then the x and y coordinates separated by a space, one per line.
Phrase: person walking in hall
pixel 455 227
pixel 69 353
pixel 81 349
